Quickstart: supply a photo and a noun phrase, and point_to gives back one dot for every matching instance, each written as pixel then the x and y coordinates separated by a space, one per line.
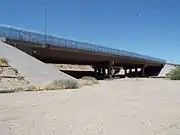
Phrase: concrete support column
pixel 109 73
pixel 110 69
pixel 136 72
pixel 104 72
pixel 125 72
pixel 130 72
pixel 99 71
pixel 143 70
pixel 96 72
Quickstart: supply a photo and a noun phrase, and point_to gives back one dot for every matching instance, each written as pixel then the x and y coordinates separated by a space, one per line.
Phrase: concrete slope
pixel 34 70
pixel 167 68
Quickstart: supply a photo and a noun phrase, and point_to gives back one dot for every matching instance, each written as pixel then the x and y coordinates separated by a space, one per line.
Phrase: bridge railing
pixel 22 34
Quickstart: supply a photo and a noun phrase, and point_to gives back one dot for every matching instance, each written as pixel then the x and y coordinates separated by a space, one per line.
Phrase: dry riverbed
pixel 118 107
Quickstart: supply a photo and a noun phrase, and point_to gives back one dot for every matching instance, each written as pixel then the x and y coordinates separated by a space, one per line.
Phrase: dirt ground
pixel 119 107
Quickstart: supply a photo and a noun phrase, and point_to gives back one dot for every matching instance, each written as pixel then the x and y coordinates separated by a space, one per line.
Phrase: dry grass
pixel 19 89
pixel 174 74
pixel 62 84
pixel 3 61
pixel 32 88
pixel 94 80
pixel 88 81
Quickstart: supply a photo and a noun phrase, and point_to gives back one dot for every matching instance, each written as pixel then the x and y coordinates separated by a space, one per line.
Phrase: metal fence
pixel 37 37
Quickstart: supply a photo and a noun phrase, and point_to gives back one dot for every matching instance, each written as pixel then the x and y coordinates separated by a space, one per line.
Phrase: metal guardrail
pixel 37 37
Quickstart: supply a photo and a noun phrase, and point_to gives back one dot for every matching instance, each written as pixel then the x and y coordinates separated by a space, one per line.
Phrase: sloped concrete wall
pixel 34 70
pixel 167 68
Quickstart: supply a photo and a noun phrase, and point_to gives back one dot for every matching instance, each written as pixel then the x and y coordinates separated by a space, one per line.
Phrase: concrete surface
pixel 119 107
pixel 167 68
pixel 34 70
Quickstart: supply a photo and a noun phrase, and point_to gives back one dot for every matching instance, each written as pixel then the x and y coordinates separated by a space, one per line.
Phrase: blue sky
pixel 112 23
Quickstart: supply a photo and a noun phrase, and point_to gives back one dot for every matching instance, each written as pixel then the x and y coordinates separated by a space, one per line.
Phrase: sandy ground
pixel 119 107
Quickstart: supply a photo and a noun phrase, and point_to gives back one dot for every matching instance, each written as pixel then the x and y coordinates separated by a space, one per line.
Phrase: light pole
pixel 45 28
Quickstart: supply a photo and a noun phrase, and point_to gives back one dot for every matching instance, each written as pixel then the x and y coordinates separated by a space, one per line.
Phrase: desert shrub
pixel 18 89
pixel 62 84
pixel 88 81
pixel 174 74
pixel 3 61
pixel 94 80
pixel 31 88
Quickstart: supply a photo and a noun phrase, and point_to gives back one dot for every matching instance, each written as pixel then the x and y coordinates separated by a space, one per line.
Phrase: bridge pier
pixel 99 72
pixel 125 72
pixel 104 72
pixel 130 72
pixel 136 72
pixel 110 69
pixel 96 71
pixel 143 73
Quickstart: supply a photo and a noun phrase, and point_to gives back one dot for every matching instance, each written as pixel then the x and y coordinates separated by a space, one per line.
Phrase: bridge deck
pixel 64 55
pixel 74 46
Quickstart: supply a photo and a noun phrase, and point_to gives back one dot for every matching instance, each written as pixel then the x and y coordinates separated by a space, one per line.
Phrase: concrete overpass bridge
pixel 52 49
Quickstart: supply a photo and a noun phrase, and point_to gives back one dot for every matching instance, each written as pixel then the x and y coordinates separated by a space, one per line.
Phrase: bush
pixel 3 61
pixel 88 81
pixel 174 74
pixel 62 84
pixel 94 80
pixel 31 88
